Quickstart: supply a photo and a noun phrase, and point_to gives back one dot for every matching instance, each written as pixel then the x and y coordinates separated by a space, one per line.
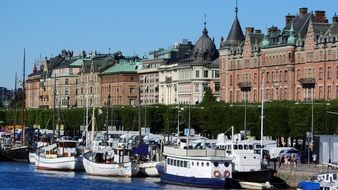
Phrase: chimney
pixel 303 11
pixel 258 31
pixel 335 18
pixel 272 29
pixel 249 30
pixel 288 18
pixel 320 16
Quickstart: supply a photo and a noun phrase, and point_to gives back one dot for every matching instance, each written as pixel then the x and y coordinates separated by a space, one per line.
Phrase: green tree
pixel 208 98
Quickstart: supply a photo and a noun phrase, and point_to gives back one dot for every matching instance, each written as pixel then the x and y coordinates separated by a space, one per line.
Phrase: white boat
pixel 63 155
pixel 110 162
pixel 148 169
pixel 328 180
pixel 253 185
pixel 195 167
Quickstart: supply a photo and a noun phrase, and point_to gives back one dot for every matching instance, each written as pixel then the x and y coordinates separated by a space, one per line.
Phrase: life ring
pixel 217 173
pixel 226 173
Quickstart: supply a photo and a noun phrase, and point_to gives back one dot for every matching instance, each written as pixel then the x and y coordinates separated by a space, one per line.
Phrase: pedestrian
pixel 314 159
pixel 281 162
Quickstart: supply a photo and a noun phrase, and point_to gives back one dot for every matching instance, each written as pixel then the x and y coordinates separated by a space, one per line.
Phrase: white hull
pixel 61 163
pixel 31 157
pixel 148 169
pixel 123 169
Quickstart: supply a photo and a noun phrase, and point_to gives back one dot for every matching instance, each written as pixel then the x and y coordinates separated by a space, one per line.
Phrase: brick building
pixel 297 62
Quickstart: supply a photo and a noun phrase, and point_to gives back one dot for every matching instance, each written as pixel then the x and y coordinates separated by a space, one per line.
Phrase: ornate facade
pixel 297 62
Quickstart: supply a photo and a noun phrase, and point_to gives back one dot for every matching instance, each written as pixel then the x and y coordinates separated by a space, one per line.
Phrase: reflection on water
pixel 18 176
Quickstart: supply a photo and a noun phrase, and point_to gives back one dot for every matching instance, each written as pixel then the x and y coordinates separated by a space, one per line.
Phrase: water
pixel 24 176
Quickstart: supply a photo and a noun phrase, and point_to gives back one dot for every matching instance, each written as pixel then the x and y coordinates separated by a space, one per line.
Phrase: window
pixel 197 87
pixel 336 91
pixel 337 72
pixel 217 86
pixel 206 74
pixel 320 73
pixel 285 76
pixel 66 81
pixel 231 77
pixel 267 77
pixel 132 90
pixel 255 78
pixel 216 73
pixel 329 92
pixel 197 74
pixel 309 56
pixel 329 73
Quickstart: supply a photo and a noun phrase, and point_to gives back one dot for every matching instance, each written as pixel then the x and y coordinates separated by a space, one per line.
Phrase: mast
pixel 54 93
pixel 15 104
pixel 23 97
pixel 262 116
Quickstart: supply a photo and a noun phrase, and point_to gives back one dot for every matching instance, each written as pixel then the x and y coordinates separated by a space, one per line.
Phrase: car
pixel 290 153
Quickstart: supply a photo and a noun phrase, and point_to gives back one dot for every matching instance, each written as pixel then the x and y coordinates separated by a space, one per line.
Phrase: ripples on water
pixel 18 176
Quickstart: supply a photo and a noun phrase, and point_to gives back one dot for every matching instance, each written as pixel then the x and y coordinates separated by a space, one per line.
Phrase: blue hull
pixel 192 181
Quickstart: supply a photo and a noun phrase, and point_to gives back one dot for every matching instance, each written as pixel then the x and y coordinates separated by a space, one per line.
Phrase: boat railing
pixel 193 152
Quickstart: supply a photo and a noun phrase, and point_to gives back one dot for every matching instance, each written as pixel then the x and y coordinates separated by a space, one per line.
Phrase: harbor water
pixel 18 176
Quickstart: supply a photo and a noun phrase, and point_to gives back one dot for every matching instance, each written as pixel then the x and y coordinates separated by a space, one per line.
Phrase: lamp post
pixel 309 84
pixel 245 88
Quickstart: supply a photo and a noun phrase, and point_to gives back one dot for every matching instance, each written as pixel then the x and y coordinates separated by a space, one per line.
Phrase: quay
pixel 293 174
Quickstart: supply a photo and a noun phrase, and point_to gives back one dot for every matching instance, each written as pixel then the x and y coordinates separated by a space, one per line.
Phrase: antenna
pixel 205 21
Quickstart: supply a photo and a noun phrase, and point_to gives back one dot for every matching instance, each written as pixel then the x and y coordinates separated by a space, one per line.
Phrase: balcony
pixel 308 82
pixel 245 86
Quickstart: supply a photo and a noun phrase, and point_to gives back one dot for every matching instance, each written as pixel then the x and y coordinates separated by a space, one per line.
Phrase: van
pixel 275 151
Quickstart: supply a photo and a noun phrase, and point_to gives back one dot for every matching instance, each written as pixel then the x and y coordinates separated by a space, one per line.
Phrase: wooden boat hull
pixel 17 154
pixel 128 169
pixel 148 169
pixel 60 163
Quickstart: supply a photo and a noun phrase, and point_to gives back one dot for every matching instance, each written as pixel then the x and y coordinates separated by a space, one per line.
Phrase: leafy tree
pixel 208 98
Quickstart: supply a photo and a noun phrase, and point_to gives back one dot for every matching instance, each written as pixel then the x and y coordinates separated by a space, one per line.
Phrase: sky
pixel 135 27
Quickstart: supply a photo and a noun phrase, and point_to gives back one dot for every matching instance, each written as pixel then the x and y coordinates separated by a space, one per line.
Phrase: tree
pixel 208 98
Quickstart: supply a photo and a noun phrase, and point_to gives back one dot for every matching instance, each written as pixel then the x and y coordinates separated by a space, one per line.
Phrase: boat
pixel 253 185
pixel 110 162
pixel 43 142
pixel 15 153
pixel 328 180
pixel 62 155
pixel 200 167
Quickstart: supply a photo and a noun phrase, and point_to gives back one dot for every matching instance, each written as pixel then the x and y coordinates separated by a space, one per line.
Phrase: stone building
pixel 120 83
pixel 149 74
pixel 88 91
pixel 32 89
pixel 297 62
pixel 186 81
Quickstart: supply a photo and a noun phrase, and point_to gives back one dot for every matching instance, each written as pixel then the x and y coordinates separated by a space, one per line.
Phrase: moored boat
pixel 196 167
pixel 63 155
pixel 110 162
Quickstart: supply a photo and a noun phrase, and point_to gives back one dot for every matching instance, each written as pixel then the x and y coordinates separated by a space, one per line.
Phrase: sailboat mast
pixel 54 106
pixel 23 97
pixel 15 104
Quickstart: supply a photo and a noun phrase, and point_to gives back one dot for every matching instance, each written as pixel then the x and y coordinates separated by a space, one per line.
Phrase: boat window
pixel 235 147
pixel 207 164
pixel 197 164
pixel 175 163
pixel 226 164
pixel 192 163
pixel 181 163
pixel 216 164
pixel 245 147
pixel 244 157
pixel 327 177
pixel 251 147
pixel 202 164
pixel 229 148
pixel 240 147
pixel 168 161
pixel 185 164
pixel 334 176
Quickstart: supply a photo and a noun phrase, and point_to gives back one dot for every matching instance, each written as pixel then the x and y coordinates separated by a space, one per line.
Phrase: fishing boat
pixel 110 162
pixel 200 167
pixel 62 155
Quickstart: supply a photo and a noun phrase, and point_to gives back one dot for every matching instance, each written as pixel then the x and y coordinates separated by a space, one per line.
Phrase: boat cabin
pixel 67 148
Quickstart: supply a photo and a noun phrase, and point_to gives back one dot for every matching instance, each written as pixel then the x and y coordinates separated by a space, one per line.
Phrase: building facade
pixel 298 62
pixel 149 73
pixel 120 83
pixel 186 81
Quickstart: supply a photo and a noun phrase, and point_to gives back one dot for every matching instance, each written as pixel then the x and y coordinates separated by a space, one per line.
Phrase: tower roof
pixel 236 36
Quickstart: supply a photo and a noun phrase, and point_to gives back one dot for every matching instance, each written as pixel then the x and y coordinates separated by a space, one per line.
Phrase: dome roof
pixel 205 49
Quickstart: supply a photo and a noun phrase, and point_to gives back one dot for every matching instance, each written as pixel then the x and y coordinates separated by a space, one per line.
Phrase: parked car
pixel 289 153
pixel 276 151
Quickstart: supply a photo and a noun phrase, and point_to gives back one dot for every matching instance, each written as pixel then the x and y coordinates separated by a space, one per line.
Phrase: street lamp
pixel 245 88
pixel 309 85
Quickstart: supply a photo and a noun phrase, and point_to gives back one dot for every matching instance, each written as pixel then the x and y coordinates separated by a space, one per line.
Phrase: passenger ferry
pixel 199 167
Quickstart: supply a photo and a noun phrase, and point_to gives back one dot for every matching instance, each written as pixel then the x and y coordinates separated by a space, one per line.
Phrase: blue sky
pixel 44 27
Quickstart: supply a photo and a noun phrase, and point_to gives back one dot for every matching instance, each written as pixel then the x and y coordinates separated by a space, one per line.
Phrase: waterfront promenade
pixel 293 174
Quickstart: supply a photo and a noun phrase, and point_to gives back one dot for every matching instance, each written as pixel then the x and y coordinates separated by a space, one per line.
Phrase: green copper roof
pixel 292 37
pixel 78 62
pixel 265 41
pixel 123 67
